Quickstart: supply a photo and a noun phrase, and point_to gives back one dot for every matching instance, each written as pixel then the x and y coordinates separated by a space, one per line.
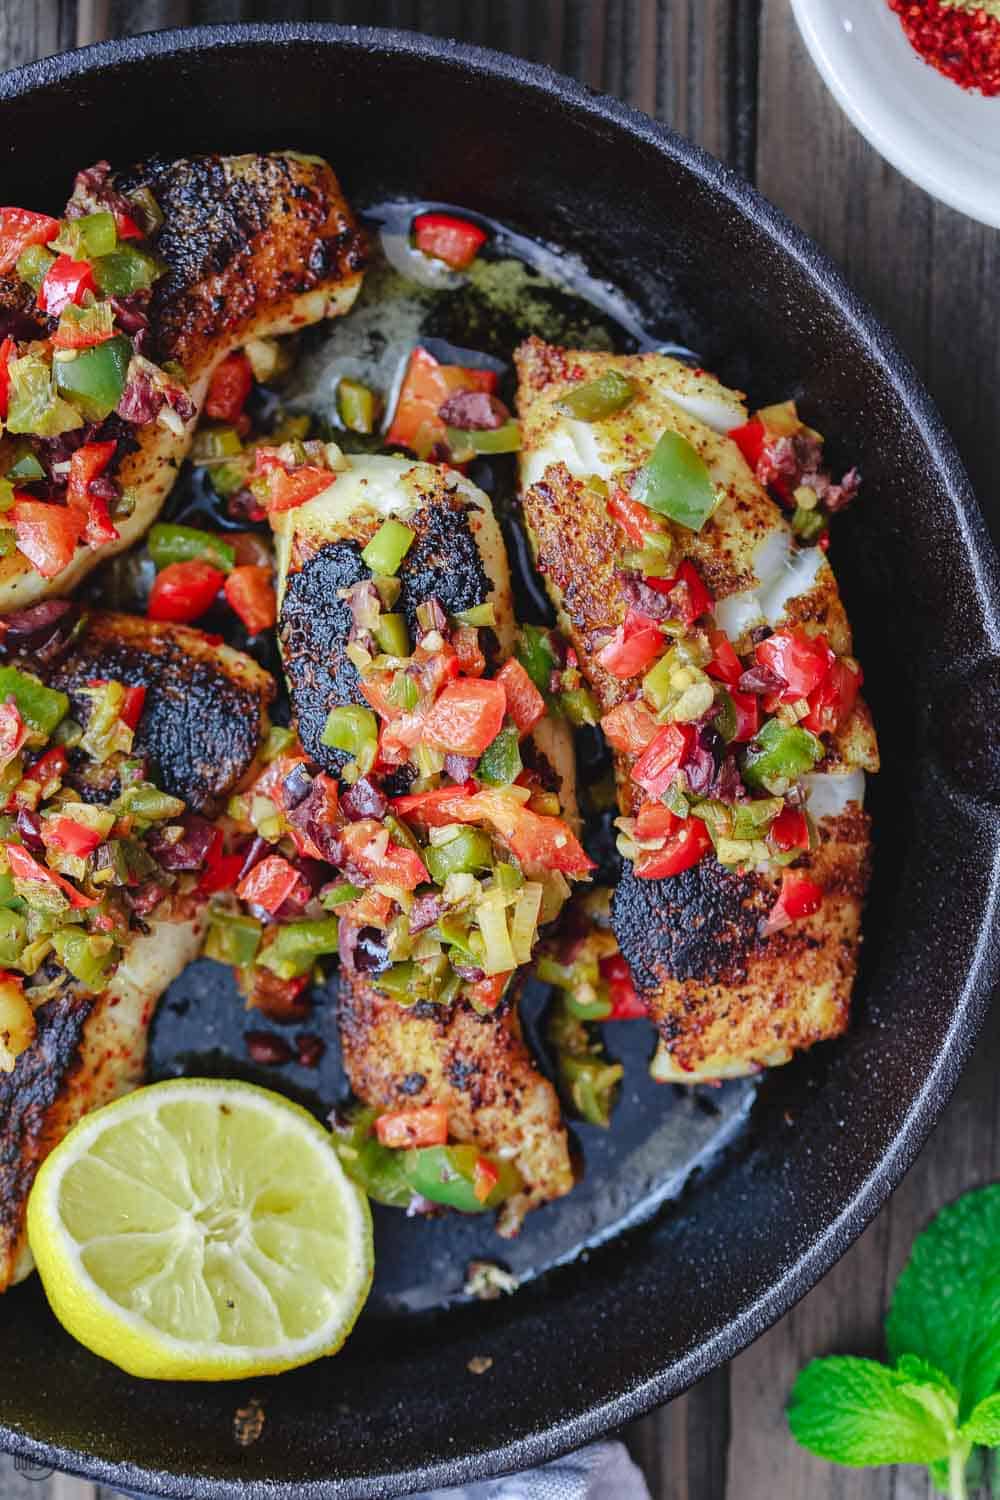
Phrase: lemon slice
pixel 201 1229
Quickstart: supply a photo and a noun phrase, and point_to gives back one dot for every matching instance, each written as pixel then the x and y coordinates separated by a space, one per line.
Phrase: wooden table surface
pixel 734 76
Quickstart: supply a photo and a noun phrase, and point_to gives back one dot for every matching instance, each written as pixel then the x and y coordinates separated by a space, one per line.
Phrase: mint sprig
pixel 938 1400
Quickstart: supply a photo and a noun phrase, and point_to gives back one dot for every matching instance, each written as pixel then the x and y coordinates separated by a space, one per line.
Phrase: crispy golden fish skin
pixel 254 246
pixel 725 1000
pixel 458 557
pixel 89 1049
pixel 479 1066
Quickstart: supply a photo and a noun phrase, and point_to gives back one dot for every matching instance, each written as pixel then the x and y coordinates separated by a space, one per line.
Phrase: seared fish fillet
pixel 725 1001
pixel 89 1049
pixel 204 715
pixel 254 246
pixel 206 705
pixel 478 1065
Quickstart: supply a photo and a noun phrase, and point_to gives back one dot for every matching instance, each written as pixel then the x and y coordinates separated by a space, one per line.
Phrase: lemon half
pixel 201 1229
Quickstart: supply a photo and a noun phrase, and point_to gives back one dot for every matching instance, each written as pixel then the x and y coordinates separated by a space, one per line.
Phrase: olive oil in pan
pixel 659 1135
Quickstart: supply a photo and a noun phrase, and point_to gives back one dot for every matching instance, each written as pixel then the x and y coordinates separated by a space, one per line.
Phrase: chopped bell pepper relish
pixel 71 393
pixel 958 37
pixel 78 876
pixel 717 742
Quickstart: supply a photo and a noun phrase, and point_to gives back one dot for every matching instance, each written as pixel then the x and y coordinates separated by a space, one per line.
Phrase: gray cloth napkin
pixel 603 1471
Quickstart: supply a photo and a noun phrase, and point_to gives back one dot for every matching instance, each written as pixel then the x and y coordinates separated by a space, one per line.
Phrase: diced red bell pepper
pixel 485 1176
pixel 684 848
pixel 658 765
pixel 432 809
pixel 635 645
pixel 525 703
pixel 749 438
pixel 634 519
pixel 725 664
pixel 25 867
pixel 426 387
pixel 486 994
pixel 629 727
pixel 46 533
pixel 183 591
pixel 49 769
pixel 790 830
pixel 393 865
pixel 447 238
pixel 747 710
pixel 249 590
pixel 8 351
pixel 799 897
pixel 800 660
pixel 832 703
pixel 687 593
pixel 402 1129
pixel 131 711
pixel 12 732
pixel 292 488
pixel 269 884
pixel 85 465
pixel 229 388
pixel 19 228
pixel 125 226
pixel 467 716
pixel 221 870
pixel 655 821
pixel 625 1002
pixel 69 837
pixel 66 281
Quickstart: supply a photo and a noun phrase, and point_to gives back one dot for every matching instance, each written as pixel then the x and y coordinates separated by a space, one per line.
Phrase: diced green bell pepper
pixel 535 653
pixel 446 1174
pixel 465 444
pixel 377 1170
pixel 675 482
pixel 147 801
pixel 358 407
pixel 591 1084
pixel 40 707
pixel 215 443
pixel 126 270
pixel 168 544
pixel 780 752
pixel 298 945
pixel 579 706
pixel 95 379
pixel 226 479
pixel 388 547
pixel 353 729
pixel 340 894
pixel 469 851
pixel 84 239
pixel 598 398
pixel 808 525
pixel 33 263
pixel 232 938
pixel 500 763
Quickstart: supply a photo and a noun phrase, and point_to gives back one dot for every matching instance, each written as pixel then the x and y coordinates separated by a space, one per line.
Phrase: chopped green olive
pixel 468 852
pixel 354 730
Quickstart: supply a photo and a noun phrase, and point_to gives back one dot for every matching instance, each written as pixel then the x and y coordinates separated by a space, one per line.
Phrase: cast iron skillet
pixel 593 1343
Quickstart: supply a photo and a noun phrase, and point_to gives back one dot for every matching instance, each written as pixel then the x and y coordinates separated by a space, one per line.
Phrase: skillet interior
pixel 594 1343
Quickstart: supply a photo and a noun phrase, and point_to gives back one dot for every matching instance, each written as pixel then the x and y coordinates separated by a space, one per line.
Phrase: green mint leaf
pixel 859 1412
pixel 920 1372
pixel 946 1306
pixel 984 1424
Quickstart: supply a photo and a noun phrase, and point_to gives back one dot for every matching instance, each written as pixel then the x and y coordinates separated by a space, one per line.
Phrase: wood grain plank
pixel 35 28
pixel 927 272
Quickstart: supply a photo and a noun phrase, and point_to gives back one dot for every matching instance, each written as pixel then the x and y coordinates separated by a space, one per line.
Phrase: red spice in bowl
pixel 962 44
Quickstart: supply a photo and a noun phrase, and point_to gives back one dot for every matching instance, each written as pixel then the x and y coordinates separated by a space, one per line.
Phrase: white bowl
pixel 939 135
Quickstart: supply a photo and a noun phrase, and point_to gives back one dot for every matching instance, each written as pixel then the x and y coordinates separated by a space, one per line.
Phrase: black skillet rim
pixel 971 1003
